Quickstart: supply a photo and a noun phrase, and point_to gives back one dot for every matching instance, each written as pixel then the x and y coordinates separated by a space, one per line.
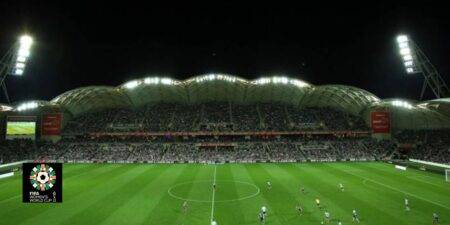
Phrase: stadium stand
pixel 226 118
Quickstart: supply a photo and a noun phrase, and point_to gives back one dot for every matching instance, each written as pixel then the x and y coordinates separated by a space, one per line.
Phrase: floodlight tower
pixel 415 62
pixel 14 61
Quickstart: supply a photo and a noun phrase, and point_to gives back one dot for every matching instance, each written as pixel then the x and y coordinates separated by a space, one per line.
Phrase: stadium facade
pixel 404 115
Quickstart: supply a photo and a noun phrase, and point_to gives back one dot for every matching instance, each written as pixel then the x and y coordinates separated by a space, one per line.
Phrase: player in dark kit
pixel 262 217
pixel 435 218
pixel 299 209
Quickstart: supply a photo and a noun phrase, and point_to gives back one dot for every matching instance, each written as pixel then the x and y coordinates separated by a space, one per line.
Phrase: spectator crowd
pixel 77 145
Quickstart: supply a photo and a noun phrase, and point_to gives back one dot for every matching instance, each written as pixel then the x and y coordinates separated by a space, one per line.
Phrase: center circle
pixel 201 191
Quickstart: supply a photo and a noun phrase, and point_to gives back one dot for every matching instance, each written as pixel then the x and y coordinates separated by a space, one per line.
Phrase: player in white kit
pixel 264 210
pixel 407 204
pixel 355 216
pixel 185 207
pixel 327 217
pixel 341 186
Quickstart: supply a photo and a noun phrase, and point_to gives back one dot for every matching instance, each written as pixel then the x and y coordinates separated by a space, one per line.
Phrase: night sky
pixel 85 44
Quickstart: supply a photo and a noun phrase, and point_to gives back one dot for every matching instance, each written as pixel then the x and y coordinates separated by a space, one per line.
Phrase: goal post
pixel 447 175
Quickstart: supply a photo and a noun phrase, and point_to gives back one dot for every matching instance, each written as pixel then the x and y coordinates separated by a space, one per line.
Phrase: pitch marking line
pixel 257 191
pixel 418 178
pixel 395 189
pixel 213 194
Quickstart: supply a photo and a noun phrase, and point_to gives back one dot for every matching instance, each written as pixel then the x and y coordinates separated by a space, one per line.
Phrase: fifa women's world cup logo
pixel 42 182
pixel 42 177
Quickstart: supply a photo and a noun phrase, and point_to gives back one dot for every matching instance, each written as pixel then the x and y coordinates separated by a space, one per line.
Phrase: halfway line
pixel 213 193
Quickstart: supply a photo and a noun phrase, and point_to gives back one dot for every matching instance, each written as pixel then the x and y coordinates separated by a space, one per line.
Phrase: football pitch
pixel 112 194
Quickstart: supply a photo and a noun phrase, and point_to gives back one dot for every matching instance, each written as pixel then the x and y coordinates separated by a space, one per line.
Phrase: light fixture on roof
pixel 279 80
pixel 415 61
pixel 401 103
pixel 27 106
pixel 151 80
pixel 166 81
pixel 131 84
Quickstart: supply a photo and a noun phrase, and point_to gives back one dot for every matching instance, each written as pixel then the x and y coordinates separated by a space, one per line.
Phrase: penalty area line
pixel 395 189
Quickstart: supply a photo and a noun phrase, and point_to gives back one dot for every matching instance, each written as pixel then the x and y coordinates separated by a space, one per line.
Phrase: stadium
pixel 137 114
pixel 137 152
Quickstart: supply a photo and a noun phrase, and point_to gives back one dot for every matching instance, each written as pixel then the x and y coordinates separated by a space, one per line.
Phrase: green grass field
pixel 20 128
pixel 152 194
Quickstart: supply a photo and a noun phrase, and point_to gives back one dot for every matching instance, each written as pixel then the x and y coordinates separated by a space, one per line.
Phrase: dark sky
pixel 86 44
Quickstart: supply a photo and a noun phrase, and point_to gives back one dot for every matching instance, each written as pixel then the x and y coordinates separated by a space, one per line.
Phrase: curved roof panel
pixel 92 98
pixel 347 98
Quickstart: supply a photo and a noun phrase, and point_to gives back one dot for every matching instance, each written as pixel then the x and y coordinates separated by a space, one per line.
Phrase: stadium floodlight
pixel 21 59
pixel 401 103
pixel 407 58
pixel 27 106
pixel 409 63
pixel 415 61
pixel 407 53
pixel 151 80
pixel 402 38
pixel 298 83
pixel 166 81
pixel 23 52
pixel 131 84
pixel 14 62
pixel 18 71
pixel 20 65
pixel 26 41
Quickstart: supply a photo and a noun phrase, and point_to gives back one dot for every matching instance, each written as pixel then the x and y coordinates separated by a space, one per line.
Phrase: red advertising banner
pixel 51 124
pixel 381 122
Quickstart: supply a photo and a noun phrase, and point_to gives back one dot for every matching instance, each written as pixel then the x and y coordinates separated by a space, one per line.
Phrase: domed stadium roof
pixel 215 87
pixel 228 88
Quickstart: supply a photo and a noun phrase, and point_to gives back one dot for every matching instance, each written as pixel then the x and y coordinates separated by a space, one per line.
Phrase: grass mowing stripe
pixel 398 190
pixel 110 198
pixel 248 207
pixel 260 176
pixel 289 184
pixel 230 212
pixel 432 194
pixel 72 199
pixel 368 205
pixel 82 193
pixel 339 204
pixel 406 175
pixel 419 213
pixel 168 209
pixel 138 204
pixel 93 197
pixel 303 173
